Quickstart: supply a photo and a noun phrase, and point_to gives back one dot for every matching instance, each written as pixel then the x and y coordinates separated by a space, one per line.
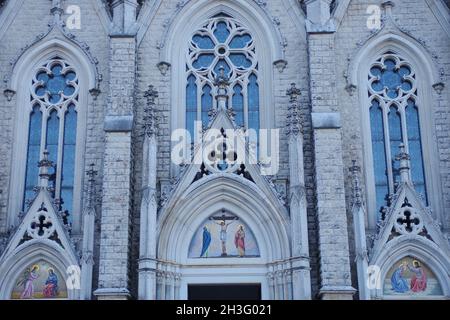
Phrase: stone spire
pixel 222 82
pixel 44 165
pixel 356 188
pixel 90 201
pixel 403 158
pixel 150 120
pixel 294 117
pixel 57 10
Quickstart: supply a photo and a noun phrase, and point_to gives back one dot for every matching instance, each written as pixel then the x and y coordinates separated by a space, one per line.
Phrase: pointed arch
pixel 436 259
pixel 30 253
pixel 195 13
pixel 213 193
pixel 55 44
pixel 391 40
pixel 267 40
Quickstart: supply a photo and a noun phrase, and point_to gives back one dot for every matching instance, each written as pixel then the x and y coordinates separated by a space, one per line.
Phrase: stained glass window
pixel 222 42
pixel 53 127
pixel 394 120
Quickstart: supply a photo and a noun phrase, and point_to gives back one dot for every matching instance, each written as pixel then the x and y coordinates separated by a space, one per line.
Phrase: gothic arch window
pixel 222 44
pixel 53 127
pixel 394 120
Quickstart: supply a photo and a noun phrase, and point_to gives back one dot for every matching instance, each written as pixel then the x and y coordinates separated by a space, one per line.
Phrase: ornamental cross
pixel 41 225
pixel 408 221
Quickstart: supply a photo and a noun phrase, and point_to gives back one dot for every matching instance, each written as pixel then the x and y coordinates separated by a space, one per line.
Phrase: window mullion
pixel 387 146
pixel 245 97
pixel 199 98
pixel 402 109
pixel 62 118
pixel 45 115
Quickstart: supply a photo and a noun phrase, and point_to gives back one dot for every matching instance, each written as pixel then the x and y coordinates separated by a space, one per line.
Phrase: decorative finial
pixel 356 189
pixel 222 82
pixel 44 165
pixel 91 173
pixel 293 118
pixel 387 6
pixel 404 167
pixel 150 120
pixel 57 11
pixel 293 92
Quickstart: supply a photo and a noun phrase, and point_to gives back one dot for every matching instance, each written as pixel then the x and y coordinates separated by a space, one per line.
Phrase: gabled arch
pixel 29 253
pixel 423 249
pixel 212 194
pixel 393 40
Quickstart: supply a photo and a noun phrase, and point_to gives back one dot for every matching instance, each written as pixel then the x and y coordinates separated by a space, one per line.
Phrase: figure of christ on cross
pixel 222 222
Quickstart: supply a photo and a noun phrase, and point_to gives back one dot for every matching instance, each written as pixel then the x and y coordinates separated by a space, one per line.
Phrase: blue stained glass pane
pixel 240 60
pixel 392 94
pixel 377 86
pixel 375 71
pixel 415 149
pixel 396 138
pixel 253 102
pixel 203 42
pixel 40 91
pixel 42 76
pixel 238 105
pixel 221 32
pixel 68 165
pixel 404 71
pixel 381 192
pixel 191 104
pixel 207 102
pixel 379 154
pixel 70 76
pixel 406 86
pixel 191 117
pixel 391 79
pixel 69 90
pixel 390 64
pixel 56 70
pixel 222 63
pixel 191 94
pixel 203 61
pixel 239 42
pixel 52 137
pixel 33 154
pixel 67 199
pixel 56 84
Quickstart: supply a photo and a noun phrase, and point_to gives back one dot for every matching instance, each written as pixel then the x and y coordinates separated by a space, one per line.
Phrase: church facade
pixel 220 149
